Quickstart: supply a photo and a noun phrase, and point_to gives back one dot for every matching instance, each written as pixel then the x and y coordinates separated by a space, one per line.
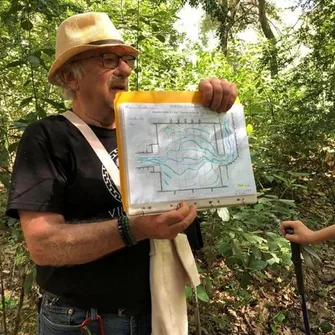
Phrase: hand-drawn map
pixel 184 151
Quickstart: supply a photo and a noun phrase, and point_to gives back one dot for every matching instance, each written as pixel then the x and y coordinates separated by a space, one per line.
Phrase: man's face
pixel 99 84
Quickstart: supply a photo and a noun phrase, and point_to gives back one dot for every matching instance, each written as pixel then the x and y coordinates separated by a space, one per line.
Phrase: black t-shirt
pixel 57 171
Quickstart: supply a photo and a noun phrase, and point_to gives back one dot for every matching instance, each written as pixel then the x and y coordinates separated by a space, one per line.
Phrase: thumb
pixel 290 237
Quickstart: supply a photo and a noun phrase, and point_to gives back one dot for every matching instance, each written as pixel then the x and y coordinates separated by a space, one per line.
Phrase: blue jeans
pixel 60 318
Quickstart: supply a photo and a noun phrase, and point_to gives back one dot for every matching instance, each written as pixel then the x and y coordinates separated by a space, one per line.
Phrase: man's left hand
pixel 219 95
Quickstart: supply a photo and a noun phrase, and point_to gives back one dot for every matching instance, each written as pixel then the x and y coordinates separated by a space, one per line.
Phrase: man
pixel 68 206
pixel 303 235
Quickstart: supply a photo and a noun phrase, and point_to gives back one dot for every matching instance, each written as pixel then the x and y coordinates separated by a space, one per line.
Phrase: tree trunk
pixel 226 23
pixel 270 36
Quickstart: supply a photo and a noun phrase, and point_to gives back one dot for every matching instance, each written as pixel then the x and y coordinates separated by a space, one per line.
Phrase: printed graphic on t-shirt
pixel 116 212
pixel 108 180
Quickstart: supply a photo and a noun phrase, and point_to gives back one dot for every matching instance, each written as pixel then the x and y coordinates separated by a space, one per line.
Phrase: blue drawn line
pixel 180 144
pixel 161 160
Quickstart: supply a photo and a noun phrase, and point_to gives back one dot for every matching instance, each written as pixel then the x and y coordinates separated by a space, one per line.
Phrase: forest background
pixel 285 74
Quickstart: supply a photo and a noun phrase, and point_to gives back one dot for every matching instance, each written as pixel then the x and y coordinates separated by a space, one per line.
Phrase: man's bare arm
pixel 52 241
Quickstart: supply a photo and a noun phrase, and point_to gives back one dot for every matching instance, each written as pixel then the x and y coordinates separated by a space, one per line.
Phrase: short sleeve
pixel 38 180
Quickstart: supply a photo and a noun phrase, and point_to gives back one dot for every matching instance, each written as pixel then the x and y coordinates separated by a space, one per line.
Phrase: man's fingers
pixel 218 94
pixel 207 92
pixel 175 216
pixel 181 226
pixel 229 97
pixel 183 208
pixel 290 237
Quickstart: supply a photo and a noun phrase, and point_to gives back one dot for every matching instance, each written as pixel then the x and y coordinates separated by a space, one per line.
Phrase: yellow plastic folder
pixel 171 148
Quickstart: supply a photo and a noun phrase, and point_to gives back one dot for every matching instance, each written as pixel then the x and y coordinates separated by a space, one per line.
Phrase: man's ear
pixel 68 78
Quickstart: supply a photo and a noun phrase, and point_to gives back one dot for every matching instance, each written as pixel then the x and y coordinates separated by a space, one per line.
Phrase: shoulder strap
pixel 96 145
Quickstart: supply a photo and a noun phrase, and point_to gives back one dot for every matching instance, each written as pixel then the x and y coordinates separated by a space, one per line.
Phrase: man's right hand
pixel 164 226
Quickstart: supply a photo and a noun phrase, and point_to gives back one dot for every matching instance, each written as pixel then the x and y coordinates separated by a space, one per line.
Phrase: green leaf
pixel 27 83
pixel 245 280
pixel 154 27
pixel 250 129
pixel 26 25
pixel 306 253
pixel 307 259
pixel 223 213
pixel 33 60
pixel 58 105
pixel 258 264
pixel 299 174
pixel 133 27
pixel 224 247
pixel 13 146
pixel 311 252
pixel 326 327
pixel 271 258
pixel 270 178
pixel 50 52
pixel 5 179
pixel 290 203
pixel 18 125
pixel 280 317
pixel 141 38
pixel 322 292
pixel 160 38
pixel 273 245
pixel 281 178
pixel 300 186
pixel 236 247
pixel 208 284
pixel 14 8
pixel 202 294
pixel 253 238
pixel 259 207
pixel 41 112
pixel 28 283
pixel 272 235
pixel 286 260
pixel 25 102
pixel 14 64
pixel 188 291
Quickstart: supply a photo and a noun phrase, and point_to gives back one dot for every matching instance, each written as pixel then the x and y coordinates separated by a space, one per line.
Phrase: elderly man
pixel 69 207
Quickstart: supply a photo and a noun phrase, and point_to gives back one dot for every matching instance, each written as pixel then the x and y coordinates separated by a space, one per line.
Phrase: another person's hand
pixel 219 95
pixel 164 226
pixel 302 234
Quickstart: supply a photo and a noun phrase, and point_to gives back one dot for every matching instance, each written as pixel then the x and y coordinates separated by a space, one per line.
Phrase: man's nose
pixel 123 69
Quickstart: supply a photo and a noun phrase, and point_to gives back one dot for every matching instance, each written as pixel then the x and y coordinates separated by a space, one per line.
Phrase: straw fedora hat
pixel 84 32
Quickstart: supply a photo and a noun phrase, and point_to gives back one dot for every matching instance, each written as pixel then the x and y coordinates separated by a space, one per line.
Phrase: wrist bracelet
pixel 125 232
pixel 129 231
pixel 122 232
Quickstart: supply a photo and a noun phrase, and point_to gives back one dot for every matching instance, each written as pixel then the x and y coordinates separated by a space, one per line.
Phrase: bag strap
pixel 97 146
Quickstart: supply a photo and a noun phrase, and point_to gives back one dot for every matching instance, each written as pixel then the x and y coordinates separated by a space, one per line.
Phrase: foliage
pixel 246 238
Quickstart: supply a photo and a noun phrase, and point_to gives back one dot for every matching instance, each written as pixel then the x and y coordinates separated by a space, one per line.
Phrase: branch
pixel 5 168
pixel 19 309
pixel 3 298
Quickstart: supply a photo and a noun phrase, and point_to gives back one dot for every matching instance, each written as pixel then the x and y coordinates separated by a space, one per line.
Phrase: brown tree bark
pixel 226 22
pixel 268 33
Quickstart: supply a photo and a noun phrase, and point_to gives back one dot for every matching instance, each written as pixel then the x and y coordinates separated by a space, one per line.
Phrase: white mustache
pixel 117 81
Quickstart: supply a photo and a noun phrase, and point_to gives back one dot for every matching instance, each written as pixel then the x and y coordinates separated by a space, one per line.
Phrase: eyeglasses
pixel 112 61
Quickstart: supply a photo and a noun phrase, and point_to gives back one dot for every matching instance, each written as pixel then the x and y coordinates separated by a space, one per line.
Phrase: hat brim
pixel 62 59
